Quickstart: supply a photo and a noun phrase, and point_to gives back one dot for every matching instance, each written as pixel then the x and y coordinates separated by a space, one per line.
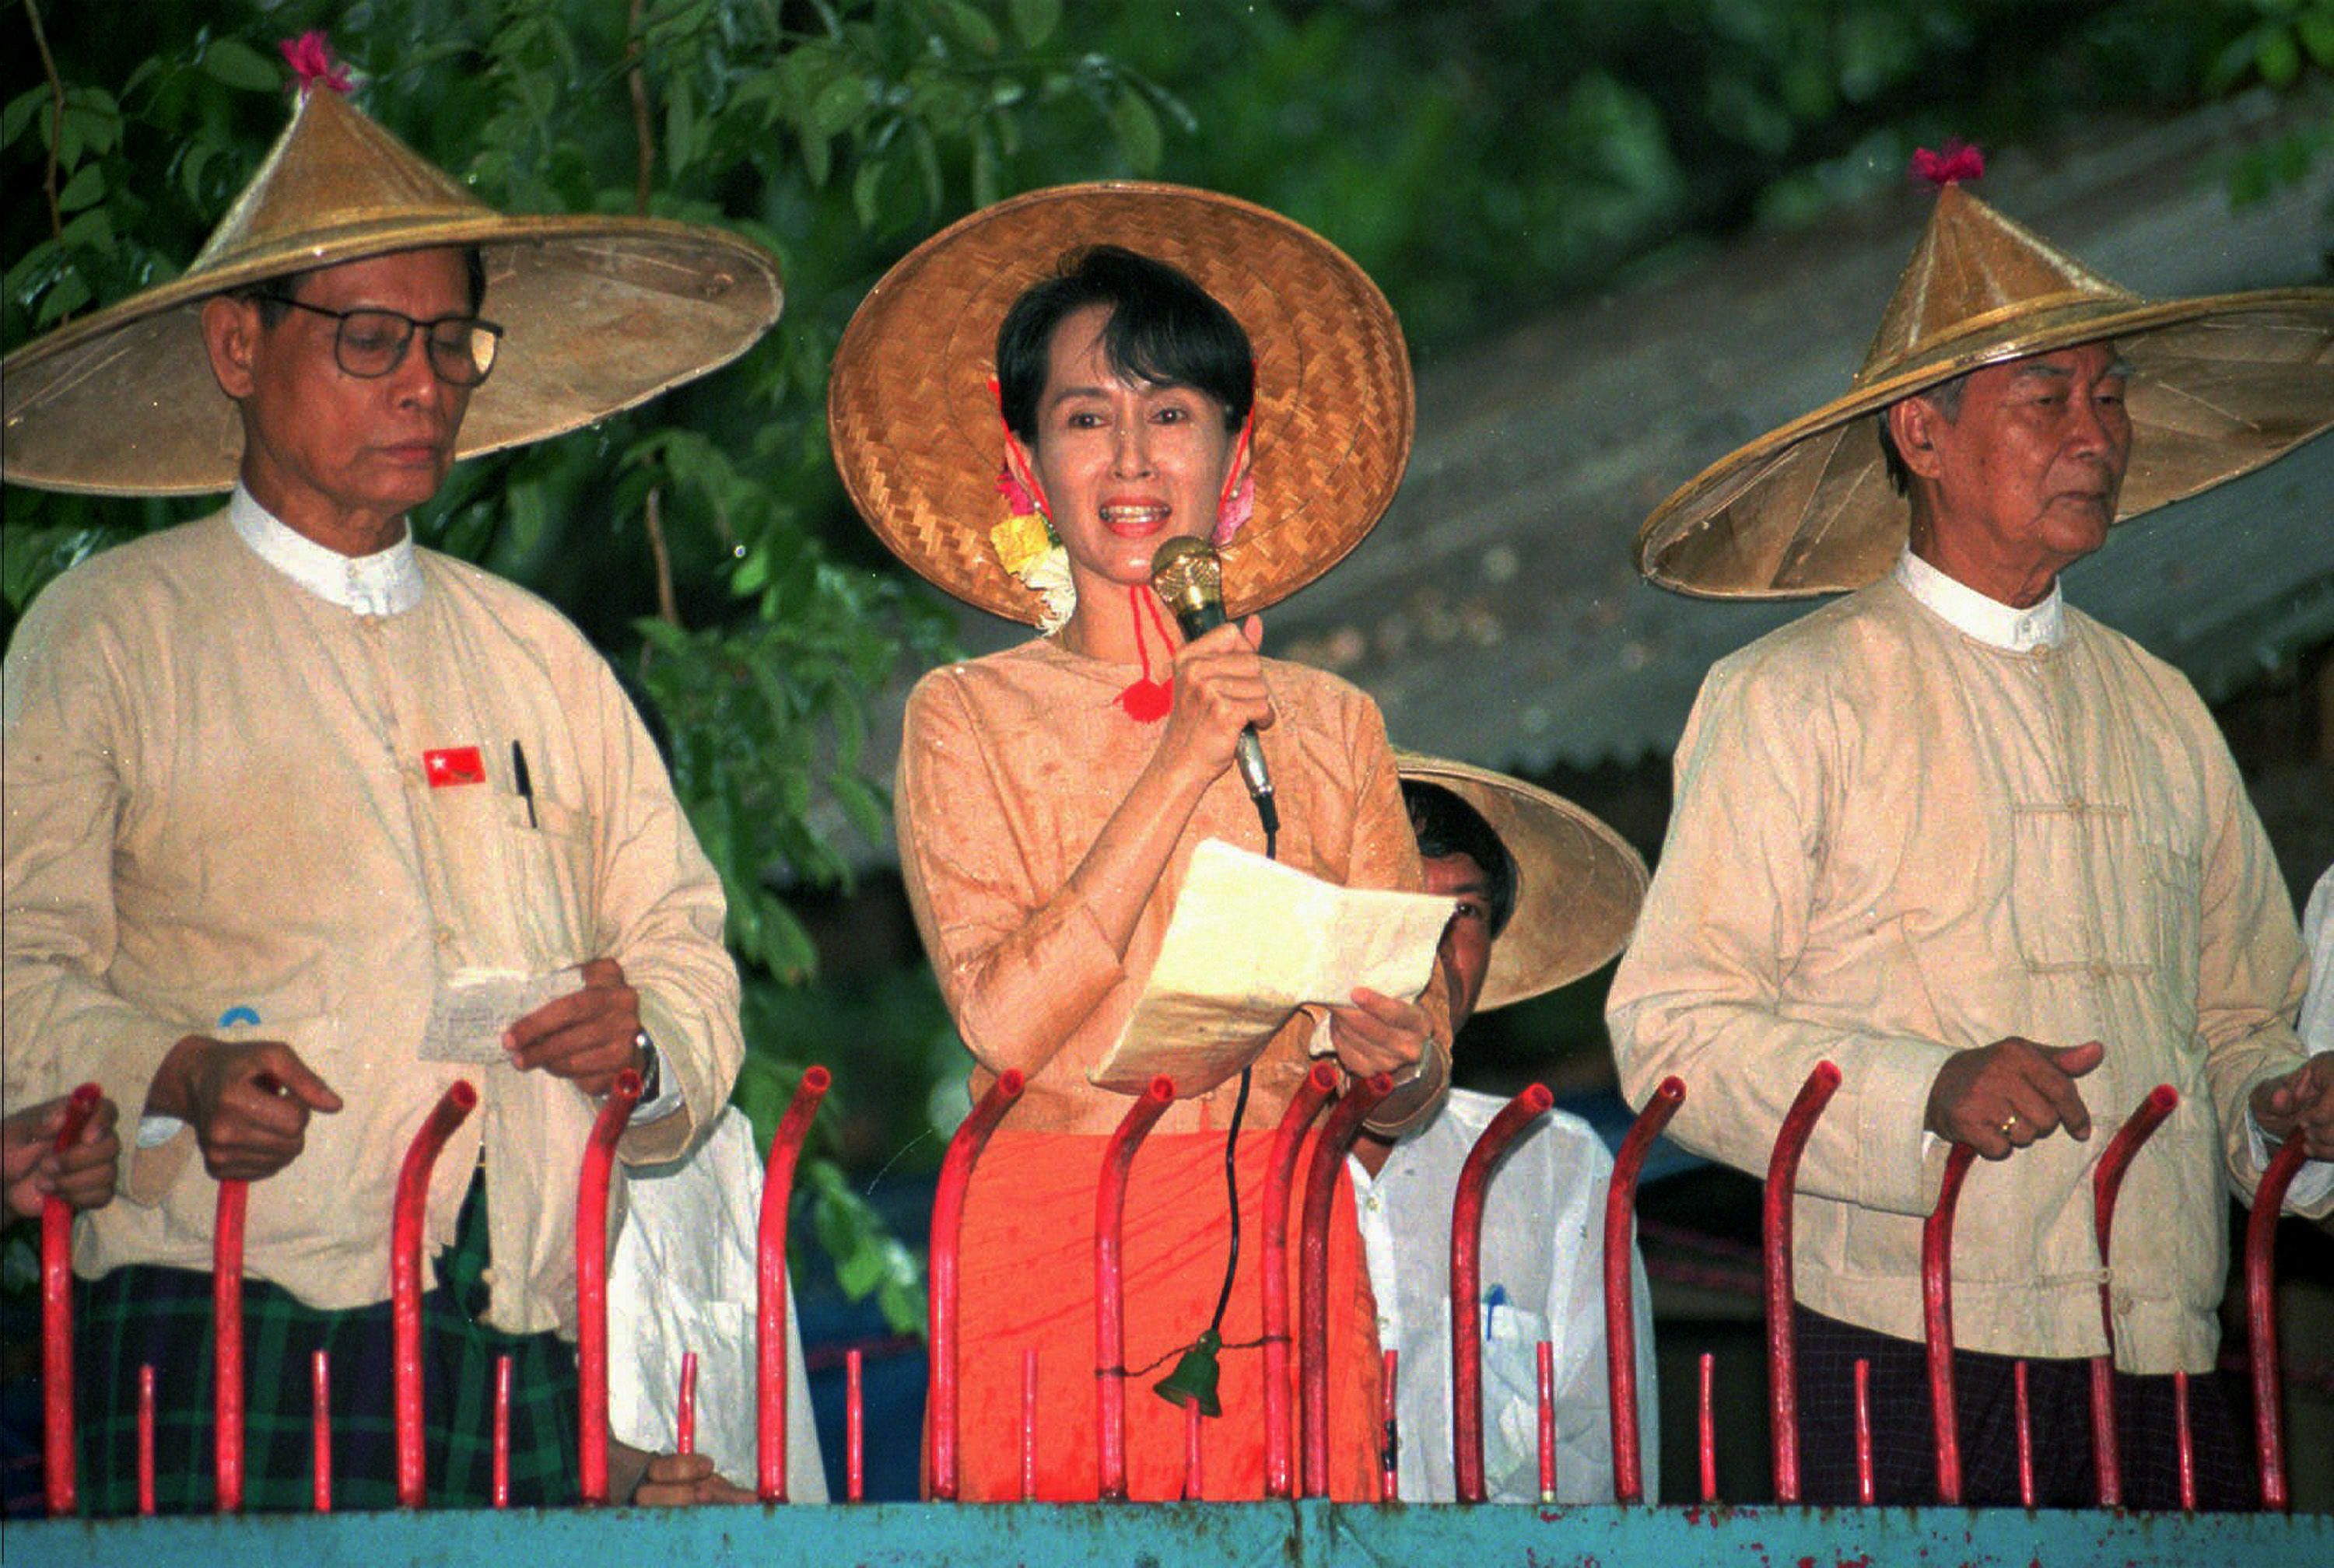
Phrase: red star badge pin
pixel 453 765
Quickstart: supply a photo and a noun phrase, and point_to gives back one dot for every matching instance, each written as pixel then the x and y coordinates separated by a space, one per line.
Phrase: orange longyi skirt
pixel 1026 1275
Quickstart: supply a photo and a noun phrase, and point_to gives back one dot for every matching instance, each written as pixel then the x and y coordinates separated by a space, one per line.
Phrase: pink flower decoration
pixel 1017 499
pixel 1958 162
pixel 310 56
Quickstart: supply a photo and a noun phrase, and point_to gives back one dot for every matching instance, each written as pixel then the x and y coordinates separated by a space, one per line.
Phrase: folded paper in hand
pixel 474 1007
pixel 1250 942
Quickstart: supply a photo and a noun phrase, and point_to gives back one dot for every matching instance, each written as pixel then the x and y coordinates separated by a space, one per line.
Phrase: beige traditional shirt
pixel 220 804
pixel 1898 837
pixel 1008 769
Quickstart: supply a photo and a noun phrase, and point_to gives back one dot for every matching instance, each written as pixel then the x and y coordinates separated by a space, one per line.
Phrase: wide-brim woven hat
pixel 600 312
pixel 1579 884
pixel 2219 386
pixel 916 432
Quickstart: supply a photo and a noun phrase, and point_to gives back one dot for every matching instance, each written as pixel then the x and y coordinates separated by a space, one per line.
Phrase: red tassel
pixel 1145 700
pixel 1958 162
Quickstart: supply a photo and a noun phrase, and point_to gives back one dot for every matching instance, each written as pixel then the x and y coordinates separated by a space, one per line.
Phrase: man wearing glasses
pixel 283 788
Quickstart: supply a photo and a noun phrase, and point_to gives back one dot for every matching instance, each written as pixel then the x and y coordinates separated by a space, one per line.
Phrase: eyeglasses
pixel 371 344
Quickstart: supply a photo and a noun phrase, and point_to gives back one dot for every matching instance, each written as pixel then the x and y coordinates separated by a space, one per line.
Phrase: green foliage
pixel 701 541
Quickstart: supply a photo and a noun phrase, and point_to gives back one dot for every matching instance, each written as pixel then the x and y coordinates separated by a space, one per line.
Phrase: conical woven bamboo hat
pixel 915 429
pixel 1579 884
pixel 2219 386
pixel 599 314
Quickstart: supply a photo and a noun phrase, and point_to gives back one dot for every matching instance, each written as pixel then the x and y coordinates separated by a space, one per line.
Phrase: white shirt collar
pixel 386 583
pixel 1988 620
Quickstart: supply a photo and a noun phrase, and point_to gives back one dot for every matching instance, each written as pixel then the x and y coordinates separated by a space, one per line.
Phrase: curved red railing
pixel 1280 1177
pixel 1782 1351
pixel 2261 1319
pixel 1337 1135
pixel 56 1319
pixel 1110 1324
pixel 1620 1307
pixel 1467 1285
pixel 770 1285
pixel 592 1287
pixel 2106 1182
pixel 405 1281
pixel 1937 1318
pixel 227 1345
pixel 948 1223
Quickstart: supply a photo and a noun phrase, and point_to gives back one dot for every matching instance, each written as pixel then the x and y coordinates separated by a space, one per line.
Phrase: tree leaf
pixel 838 106
pixel 237 65
pixel 867 191
pixel 2278 56
pixel 1034 20
pixel 86 188
pixel 1137 128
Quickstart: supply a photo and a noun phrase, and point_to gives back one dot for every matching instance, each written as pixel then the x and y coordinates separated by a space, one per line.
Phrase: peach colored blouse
pixel 1010 768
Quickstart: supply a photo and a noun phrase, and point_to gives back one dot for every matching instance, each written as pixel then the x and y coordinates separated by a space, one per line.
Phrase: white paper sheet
pixel 1250 942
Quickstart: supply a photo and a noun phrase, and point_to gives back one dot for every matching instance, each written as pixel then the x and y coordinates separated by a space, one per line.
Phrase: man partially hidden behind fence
pixel 276 779
pixel 1991 859
pixel 1545 893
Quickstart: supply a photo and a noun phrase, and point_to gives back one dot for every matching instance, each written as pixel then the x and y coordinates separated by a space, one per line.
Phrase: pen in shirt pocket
pixel 522 782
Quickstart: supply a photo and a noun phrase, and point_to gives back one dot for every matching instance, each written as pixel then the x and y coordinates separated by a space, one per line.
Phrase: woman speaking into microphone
pixel 1025 410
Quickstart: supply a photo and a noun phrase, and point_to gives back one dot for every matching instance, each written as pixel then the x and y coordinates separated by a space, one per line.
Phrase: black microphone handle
pixel 1248 753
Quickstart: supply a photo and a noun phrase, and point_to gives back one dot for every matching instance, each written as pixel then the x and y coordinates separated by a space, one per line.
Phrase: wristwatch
pixel 652 1065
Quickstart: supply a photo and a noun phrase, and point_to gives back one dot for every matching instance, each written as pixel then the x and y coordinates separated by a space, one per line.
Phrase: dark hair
pixel 1165 329
pixel 1946 397
pixel 269 293
pixel 1447 825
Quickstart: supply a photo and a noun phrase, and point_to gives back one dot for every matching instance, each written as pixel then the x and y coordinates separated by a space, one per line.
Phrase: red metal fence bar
pixel 502 1431
pixel 2106 1182
pixel 56 1320
pixel 405 1282
pixel 1546 1359
pixel 854 1426
pixel 2022 1413
pixel 1937 1316
pixel 2261 1321
pixel 1337 1135
pixel 684 1409
pixel 1864 1431
pixel 1287 1141
pixel 1110 1325
pixel 592 1287
pixel 1782 1354
pixel 320 1430
pixel 226 1344
pixel 146 1440
pixel 1467 1285
pixel 1706 1428
pixel 770 1285
pixel 948 1224
pixel 1620 1308
pixel 1389 1428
